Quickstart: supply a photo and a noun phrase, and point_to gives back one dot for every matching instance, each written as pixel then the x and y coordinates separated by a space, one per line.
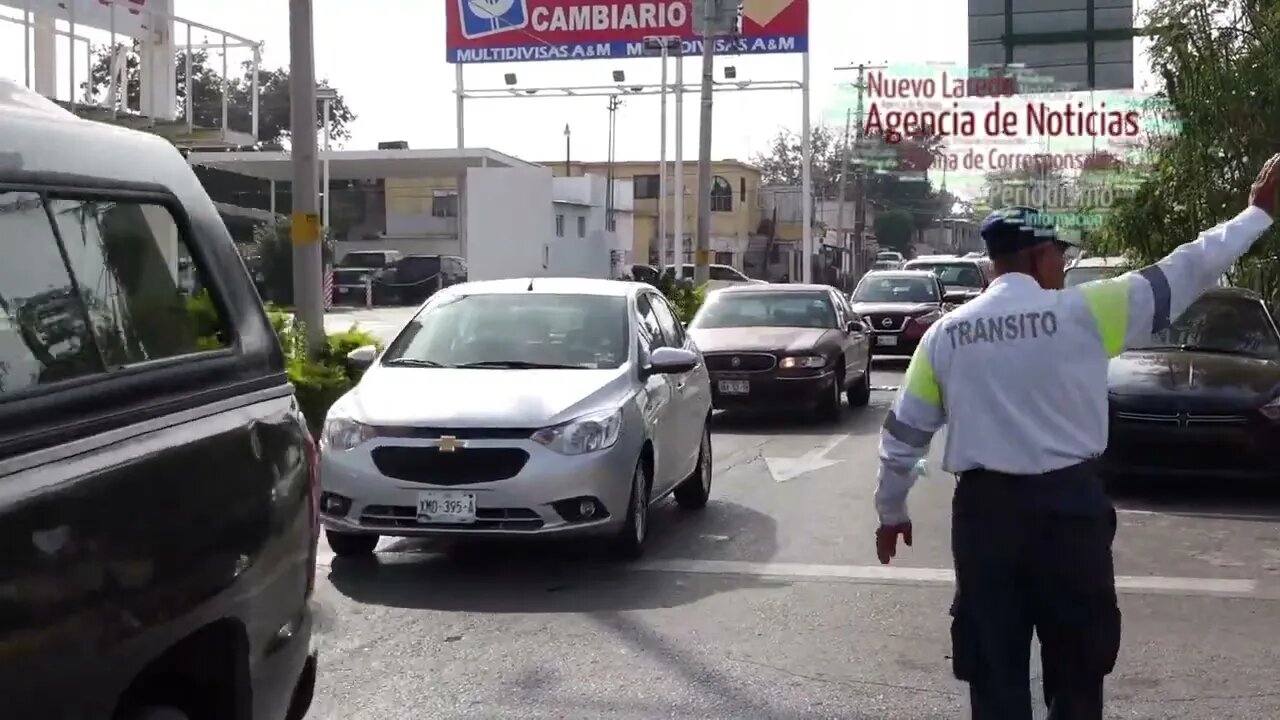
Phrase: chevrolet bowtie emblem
pixel 449 443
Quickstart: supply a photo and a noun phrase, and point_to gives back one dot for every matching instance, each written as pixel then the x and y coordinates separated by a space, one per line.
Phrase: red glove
pixel 887 540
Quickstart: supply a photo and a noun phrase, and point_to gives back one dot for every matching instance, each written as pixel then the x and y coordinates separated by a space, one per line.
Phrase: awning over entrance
pixel 361 164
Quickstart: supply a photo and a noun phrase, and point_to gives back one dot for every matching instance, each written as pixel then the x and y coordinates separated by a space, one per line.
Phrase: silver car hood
pixel 493 398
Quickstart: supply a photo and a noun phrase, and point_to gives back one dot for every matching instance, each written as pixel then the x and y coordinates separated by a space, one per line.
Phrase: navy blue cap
pixel 1011 229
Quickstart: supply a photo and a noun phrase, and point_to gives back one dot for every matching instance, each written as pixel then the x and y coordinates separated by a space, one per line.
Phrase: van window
pixel 105 285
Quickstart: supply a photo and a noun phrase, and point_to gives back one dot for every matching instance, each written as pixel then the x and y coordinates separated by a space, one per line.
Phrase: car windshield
pixel 953 274
pixel 526 330
pixel 363 260
pixel 896 290
pixel 727 310
pixel 1082 275
pixel 1231 325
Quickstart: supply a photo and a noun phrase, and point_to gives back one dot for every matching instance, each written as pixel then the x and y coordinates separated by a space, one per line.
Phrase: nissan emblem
pixel 887 322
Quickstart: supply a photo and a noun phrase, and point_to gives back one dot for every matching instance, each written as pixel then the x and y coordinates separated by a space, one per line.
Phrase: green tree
pixel 895 230
pixel 1210 128
pixel 272 253
pixel 206 96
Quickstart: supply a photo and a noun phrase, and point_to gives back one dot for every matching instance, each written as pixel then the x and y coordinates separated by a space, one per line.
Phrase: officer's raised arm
pixel 1128 309
pixel 916 415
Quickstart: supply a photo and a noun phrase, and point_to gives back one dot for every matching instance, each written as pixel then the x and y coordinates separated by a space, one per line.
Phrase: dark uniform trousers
pixel 1034 552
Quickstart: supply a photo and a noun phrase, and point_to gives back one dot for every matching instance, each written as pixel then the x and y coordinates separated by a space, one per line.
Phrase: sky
pixel 387 57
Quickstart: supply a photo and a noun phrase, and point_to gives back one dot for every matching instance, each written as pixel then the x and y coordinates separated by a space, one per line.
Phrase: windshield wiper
pixel 414 362
pixel 518 365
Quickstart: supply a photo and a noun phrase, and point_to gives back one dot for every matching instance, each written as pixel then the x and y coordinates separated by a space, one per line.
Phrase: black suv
pixel 158 486
pixel 414 278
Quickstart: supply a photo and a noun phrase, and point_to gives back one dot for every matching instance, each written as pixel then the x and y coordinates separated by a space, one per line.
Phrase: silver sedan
pixel 513 408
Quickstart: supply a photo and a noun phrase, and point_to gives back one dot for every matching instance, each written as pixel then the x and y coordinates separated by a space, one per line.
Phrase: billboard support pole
pixel 677 219
pixel 806 172
pixel 458 91
pixel 662 166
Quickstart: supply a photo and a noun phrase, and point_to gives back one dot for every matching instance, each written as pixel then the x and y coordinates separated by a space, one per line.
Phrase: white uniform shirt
pixel 1023 370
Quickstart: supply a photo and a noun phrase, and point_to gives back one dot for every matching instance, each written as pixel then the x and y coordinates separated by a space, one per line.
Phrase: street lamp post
pixel 662 45
pixel 326 96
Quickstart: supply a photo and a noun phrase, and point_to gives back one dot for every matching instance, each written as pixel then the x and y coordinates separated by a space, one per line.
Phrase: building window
pixel 559 225
pixel 645 187
pixel 444 204
pixel 724 258
pixel 721 195
pixel 582 226
pixel 742 189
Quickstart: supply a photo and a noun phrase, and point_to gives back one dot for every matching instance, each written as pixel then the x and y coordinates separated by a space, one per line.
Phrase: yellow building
pixel 735 212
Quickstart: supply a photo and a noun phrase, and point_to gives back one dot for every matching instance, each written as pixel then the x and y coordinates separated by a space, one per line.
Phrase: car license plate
pixel 889 340
pixel 735 387
pixel 445 507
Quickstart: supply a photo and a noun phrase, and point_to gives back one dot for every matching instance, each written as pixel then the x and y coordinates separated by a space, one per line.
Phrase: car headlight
pixel 344 434
pixel 802 361
pixel 1271 410
pixel 586 434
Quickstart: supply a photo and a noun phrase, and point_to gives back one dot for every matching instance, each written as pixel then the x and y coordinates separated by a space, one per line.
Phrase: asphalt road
pixel 771 604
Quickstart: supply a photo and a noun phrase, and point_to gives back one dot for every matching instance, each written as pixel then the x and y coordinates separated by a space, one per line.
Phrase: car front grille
pixel 464 466
pixel 1181 419
pixel 406 516
pixel 886 323
pixel 745 362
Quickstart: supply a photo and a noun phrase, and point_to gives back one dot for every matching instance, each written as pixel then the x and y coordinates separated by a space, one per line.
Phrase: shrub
pixel 318 383
pixel 683 296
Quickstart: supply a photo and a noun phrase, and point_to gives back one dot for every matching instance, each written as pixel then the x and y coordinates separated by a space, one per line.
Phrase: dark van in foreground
pixel 158 523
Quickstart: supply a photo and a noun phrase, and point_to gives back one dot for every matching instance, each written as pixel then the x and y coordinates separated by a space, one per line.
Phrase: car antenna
pixel 530 288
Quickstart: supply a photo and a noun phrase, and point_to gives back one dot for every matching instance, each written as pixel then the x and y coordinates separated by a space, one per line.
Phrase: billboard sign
pixel 481 31
pixel 131 16
pixel 1073 44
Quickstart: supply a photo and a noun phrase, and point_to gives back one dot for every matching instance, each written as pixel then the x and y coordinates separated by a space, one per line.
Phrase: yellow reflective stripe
pixel 920 380
pixel 1109 302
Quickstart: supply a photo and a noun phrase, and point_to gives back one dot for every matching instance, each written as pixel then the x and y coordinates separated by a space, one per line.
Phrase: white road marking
pixel 784 469
pixel 1207 514
pixel 936 576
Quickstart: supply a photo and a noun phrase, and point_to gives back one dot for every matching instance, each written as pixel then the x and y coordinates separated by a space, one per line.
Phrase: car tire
pixel 829 407
pixel 630 542
pixel 860 394
pixel 155 712
pixel 695 491
pixel 351 544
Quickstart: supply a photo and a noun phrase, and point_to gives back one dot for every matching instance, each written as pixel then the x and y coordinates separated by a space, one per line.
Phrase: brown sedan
pixel 772 346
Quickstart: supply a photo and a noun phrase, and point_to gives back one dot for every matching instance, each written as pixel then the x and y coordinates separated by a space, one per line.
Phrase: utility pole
pixel 844 185
pixel 567 148
pixel 614 104
pixel 702 259
pixel 305 222
pixel 859 175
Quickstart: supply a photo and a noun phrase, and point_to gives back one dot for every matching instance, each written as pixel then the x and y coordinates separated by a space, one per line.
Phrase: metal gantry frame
pixel 637 89
pixel 229 40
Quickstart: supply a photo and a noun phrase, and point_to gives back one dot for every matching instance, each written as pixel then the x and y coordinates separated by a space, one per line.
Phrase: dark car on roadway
pixel 1203 397
pixel 898 306
pixel 354 286
pixel 772 346
pixel 414 278
pixel 158 485
pixel 963 277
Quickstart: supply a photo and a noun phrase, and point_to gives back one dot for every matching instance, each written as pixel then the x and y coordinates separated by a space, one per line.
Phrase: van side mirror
pixel 361 359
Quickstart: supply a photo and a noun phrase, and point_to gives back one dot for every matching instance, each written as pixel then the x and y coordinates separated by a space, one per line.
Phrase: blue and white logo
pixel 490 17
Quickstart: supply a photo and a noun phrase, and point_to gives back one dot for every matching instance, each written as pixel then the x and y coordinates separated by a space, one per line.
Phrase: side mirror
pixel 362 357
pixel 855 326
pixel 671 361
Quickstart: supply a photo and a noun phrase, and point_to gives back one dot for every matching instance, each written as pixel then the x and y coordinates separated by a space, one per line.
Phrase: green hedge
pixel 318 383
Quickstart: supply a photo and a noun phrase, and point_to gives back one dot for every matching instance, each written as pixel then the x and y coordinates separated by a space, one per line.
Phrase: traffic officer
pixel 1021 371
